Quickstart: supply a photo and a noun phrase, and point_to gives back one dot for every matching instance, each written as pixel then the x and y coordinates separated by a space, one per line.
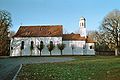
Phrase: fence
pixel 105 53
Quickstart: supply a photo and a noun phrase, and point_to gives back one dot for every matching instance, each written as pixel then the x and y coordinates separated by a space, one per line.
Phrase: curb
pixel 14 78
pixel 2 57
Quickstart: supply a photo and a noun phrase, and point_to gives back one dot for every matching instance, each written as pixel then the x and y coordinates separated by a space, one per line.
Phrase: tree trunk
pixel 61 52
pixel 50 53
pixel 72 51
pixel 40 53
pixel 21 53
pixel 31 53
pixel 116 52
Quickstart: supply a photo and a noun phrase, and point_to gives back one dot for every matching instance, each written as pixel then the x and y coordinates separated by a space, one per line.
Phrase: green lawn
pixel 82 68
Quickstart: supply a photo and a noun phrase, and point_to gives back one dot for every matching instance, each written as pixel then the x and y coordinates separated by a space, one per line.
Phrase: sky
pixel 58 12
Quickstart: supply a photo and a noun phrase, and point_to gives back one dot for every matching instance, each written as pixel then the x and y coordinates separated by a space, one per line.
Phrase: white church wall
pixel 16 44
pixel 90 49
pixel 78 47
pixel 78 50
pixel 56 51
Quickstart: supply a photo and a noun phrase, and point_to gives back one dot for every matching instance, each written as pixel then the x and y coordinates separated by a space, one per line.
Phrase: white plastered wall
pixel 16 44
pixel 88 50
pixel 78 50
pixel 78 47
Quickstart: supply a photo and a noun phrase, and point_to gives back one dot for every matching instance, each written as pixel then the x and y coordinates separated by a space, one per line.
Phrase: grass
pixel 82 68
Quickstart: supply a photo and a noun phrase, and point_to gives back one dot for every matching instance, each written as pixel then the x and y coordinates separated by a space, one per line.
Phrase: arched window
pixel 82 24
pixel 22 45
pixel 51 42
pixel 41 42
pixel 32 44
pixel 11 48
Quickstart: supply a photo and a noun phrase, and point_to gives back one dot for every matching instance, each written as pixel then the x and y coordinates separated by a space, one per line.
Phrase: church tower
pixel 82 25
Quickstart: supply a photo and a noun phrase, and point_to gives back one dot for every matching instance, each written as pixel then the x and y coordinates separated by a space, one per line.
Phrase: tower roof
pixel 82 18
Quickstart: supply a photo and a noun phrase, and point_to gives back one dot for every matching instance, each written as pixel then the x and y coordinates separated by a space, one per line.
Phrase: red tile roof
pixel 77 37
pixel 90 40
pixel 49 31
pixel 40 31
pixel 72 36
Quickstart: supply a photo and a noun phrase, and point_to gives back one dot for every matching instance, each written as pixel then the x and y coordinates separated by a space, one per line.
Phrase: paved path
pixel 9 66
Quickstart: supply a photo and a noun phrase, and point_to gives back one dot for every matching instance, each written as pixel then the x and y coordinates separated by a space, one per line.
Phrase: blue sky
pixel 63 12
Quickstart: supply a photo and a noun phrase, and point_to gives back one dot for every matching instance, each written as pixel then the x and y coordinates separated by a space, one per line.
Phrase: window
pixel 11 48
pixel 41 42
pixel 32 44
pixel 51 42
pixel 91 47
pixel 22 45
pixel 82 24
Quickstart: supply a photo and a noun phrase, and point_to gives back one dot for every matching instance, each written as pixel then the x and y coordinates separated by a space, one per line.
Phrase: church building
pixel 75 44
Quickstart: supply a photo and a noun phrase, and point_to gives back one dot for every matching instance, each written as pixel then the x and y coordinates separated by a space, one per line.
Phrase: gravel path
pixel 9 66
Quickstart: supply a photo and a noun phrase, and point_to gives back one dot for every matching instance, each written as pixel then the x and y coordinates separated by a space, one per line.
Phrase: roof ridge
pixel 71 34
pixel 39 25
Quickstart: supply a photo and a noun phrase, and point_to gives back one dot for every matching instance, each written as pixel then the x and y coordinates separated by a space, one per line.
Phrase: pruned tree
pixel 111 29
pixel 5 24
pixel 40 47
pixel 61 47
pixel 50 47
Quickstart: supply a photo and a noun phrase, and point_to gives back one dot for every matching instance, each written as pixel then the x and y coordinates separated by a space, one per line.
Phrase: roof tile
pixel 73 37
pixel 40 31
